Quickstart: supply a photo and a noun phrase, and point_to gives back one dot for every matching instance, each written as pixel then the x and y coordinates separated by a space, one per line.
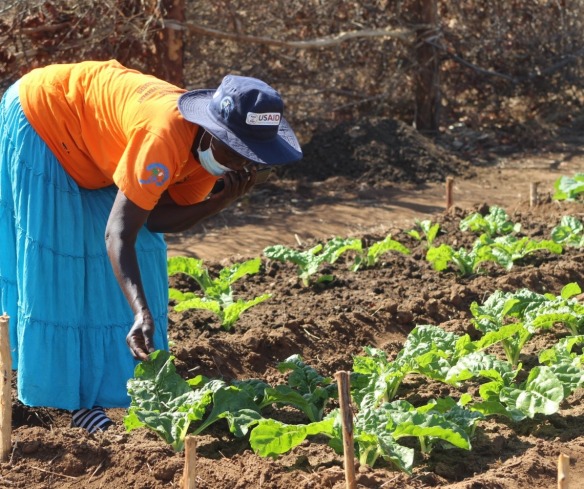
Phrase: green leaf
pixel 570 290
pixel 233 273
pixel 428 426
pixel 177 295
pixel 234 404
pixel 232 312
pixel 569 188
pixel 440 257
pixel 376 250
pixel 271 438
pixel 542 393
pixel 199 303
pixel 190 266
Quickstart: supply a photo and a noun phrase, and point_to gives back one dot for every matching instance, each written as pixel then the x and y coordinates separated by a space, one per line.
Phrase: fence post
pixel 6 379
pixel 344 384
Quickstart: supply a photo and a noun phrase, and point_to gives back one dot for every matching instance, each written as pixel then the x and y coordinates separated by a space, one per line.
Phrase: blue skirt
pixel 68 316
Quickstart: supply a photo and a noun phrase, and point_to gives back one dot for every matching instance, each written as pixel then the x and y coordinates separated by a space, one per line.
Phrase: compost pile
pixel 327 324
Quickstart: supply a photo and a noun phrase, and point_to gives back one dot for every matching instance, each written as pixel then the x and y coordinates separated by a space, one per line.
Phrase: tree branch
pixel 405 35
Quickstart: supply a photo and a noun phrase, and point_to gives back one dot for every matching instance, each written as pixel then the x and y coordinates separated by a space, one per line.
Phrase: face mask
pixel 209 163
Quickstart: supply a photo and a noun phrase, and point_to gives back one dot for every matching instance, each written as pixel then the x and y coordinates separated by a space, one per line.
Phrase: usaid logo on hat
pixel 265 119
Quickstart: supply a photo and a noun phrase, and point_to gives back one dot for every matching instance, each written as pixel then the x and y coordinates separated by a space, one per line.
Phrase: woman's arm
pixel 123 225
pixel 169 217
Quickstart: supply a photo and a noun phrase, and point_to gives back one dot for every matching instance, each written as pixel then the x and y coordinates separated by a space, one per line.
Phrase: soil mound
pixel 375 151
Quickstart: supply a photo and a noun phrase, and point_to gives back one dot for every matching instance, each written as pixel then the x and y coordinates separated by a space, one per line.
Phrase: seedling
pixel 570 232
pixel 424 230
pixel 373 254
pixel 310 261
pixel 495 223
pixel 218 293
pixel 569 188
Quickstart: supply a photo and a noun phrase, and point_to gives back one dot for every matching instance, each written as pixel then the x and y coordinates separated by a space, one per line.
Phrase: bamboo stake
pixel 347 420
pixel 6 379
pixel 449 198
pixel 563 471
pixel 190 472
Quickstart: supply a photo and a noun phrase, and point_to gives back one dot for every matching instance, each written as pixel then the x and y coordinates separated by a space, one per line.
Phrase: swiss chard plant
pixel 495 223
pixel 464 262
pixel 507 250
pixel 369 257
pixel 218 293
pixel 163 401
pixel 306 390
pixel 566 364
pixel 569 188
pixel 502 250
pixel 570 232
pixel 309 261
pixel 529 312
pixel 424 230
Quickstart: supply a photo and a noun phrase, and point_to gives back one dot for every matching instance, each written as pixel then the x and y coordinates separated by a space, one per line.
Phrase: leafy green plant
pixel 464 262
pixel 373 254
pixel 503 250
pixel 541 393
pixel 570 232
pixel 506 250
pixel 569 188
pixel 495 223
pixel 566 364
pixel 495 314
pixel 163 401
pixel 525 312
pixel 218 293
pixel 310 261
pixel 306 390
pixel 424 229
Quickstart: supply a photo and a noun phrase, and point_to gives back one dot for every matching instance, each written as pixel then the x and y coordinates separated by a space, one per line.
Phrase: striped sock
pixel 91 419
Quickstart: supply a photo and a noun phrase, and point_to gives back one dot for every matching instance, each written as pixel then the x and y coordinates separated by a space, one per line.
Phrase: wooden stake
pixel 449 198
pixel 190 471
pixel 6 384
pixel 563 471
pixel 344 384
pixel 533 194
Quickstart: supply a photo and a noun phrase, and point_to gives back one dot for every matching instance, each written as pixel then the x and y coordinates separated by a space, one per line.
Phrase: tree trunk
pixel 427 81
pixel 168 60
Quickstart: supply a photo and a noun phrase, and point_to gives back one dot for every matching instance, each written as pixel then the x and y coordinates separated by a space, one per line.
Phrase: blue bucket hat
pixel 246 114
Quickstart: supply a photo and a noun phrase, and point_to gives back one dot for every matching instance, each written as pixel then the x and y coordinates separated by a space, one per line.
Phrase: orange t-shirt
pixel 109 124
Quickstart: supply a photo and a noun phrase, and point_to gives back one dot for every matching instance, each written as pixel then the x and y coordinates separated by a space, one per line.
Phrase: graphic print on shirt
pixel 158 174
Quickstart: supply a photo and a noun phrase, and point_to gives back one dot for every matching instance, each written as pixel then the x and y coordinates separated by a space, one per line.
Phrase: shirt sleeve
pixel 147 167
pixel 193 189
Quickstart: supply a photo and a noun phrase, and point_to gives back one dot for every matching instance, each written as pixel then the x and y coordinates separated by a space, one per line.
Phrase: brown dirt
pixel 375 183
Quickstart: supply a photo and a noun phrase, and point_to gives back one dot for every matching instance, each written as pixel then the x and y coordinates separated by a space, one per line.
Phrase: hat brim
pixel 281 150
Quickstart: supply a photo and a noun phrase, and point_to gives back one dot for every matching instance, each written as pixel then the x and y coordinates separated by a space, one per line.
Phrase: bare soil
pixel 376 182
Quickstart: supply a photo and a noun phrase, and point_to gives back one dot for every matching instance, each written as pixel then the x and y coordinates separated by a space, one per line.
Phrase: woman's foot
pixel 92 420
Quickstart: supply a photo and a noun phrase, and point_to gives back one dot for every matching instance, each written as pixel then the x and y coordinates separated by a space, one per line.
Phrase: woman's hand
pixel 235 185
pixel 140 338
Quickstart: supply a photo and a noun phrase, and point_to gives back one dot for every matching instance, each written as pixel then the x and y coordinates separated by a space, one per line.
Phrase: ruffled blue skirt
pixel 68 316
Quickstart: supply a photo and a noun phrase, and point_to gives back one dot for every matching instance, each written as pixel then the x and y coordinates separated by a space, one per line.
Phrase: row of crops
pixel 484 373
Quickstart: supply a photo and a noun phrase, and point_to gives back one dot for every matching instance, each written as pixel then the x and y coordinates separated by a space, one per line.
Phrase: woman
pixel 96 160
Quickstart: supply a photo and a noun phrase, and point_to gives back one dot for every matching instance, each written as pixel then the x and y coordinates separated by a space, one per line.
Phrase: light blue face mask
pixel 209 163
